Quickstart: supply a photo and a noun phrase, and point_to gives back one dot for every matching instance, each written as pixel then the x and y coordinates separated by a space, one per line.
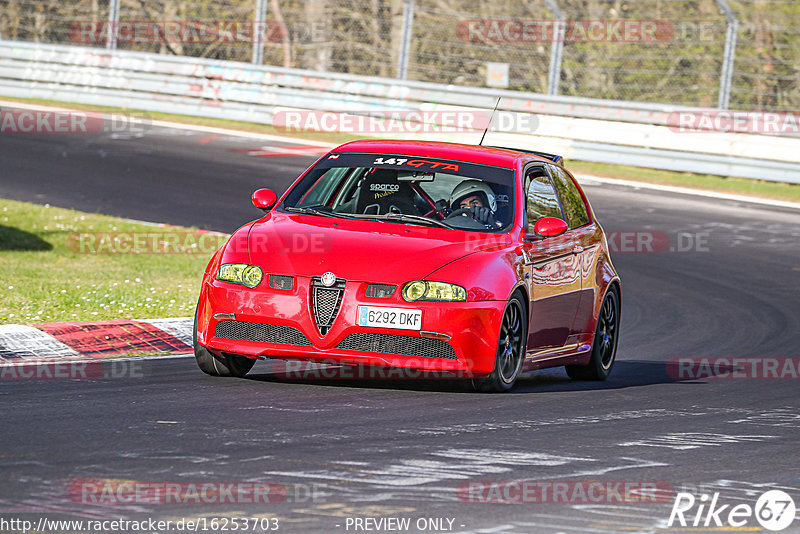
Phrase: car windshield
pixel 407 190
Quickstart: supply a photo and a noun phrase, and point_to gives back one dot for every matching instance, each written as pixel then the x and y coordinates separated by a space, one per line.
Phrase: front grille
pixel 263 333
pixel 325 301
pixel 394 344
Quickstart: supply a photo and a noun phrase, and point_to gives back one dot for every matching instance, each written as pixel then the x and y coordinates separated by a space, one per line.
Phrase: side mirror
pixel 264 199
pixel 550 226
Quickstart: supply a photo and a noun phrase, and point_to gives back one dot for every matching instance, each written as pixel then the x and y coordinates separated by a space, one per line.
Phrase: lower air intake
pixel 263 333
pixel 394 344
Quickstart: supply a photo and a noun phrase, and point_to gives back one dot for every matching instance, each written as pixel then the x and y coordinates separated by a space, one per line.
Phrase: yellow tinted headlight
pixel 231 272
pixel 445 291
pixel 252 275
pixel 414 290
pixel 436 291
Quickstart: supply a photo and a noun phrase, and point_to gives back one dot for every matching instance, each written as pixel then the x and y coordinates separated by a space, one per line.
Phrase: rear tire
pixel 510 348
pixel 604 347
pixel 225 365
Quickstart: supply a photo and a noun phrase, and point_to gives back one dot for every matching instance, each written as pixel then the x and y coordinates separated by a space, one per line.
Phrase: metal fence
pixel 742 54
pixel 639 134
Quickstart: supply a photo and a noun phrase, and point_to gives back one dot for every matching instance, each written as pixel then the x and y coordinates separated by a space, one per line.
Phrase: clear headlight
pixel 436 291
pixel 240 273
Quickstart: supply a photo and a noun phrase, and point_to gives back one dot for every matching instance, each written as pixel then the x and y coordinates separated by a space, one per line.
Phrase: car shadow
pixel 443 385
pixel 626 374
pixel 14 239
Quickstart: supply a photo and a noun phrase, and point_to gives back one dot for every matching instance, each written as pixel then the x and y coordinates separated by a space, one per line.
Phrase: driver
pixel 478 200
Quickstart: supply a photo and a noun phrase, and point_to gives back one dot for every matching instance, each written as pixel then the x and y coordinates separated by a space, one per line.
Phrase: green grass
pixel 49 276
pixel 721 184
pixel 741 186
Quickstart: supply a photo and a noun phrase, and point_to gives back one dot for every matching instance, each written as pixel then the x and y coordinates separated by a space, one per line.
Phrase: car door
pixel 553 269
pixel 586 240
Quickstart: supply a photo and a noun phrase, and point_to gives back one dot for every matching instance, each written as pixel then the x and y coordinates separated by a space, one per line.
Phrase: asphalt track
pixel 383 448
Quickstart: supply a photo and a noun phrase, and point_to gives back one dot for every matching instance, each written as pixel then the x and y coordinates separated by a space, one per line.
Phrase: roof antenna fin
pixel 490 120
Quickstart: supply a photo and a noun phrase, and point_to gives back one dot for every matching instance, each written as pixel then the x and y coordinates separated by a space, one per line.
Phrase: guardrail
pixel 583 129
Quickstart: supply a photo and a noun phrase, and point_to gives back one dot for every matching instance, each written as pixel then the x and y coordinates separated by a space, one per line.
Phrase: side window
pixel 540 197
pixel 571 200
pixel 319 194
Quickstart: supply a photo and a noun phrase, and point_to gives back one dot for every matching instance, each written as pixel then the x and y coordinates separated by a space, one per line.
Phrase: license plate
pixel 379 317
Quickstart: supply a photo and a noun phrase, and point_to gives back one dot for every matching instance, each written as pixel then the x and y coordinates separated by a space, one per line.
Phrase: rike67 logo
pixel 774 510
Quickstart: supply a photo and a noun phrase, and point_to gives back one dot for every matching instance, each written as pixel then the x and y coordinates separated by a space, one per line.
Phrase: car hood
pixel 368 251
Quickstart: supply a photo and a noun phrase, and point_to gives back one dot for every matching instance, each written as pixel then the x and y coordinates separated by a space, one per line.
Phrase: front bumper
pixel 274 323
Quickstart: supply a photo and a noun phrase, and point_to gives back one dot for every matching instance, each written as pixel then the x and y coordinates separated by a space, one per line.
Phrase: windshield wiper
pixel 398 217
pixel 405 218
pixel 315 211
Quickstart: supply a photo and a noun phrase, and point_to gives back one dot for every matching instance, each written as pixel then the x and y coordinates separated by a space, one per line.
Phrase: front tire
pixel 510 348
pixel 225 365
pixel 604 347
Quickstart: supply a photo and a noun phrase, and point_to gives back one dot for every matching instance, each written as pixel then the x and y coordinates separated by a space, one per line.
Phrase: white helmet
pixel 467 188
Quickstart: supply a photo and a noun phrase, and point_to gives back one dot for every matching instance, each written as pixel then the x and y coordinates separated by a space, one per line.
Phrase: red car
pixel 466 261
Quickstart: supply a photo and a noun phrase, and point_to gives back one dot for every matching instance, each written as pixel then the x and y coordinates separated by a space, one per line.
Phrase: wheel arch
pixel 522 289
pixel 615 284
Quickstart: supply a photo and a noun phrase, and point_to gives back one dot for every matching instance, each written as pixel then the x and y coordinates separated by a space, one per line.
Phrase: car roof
pixel 482 155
